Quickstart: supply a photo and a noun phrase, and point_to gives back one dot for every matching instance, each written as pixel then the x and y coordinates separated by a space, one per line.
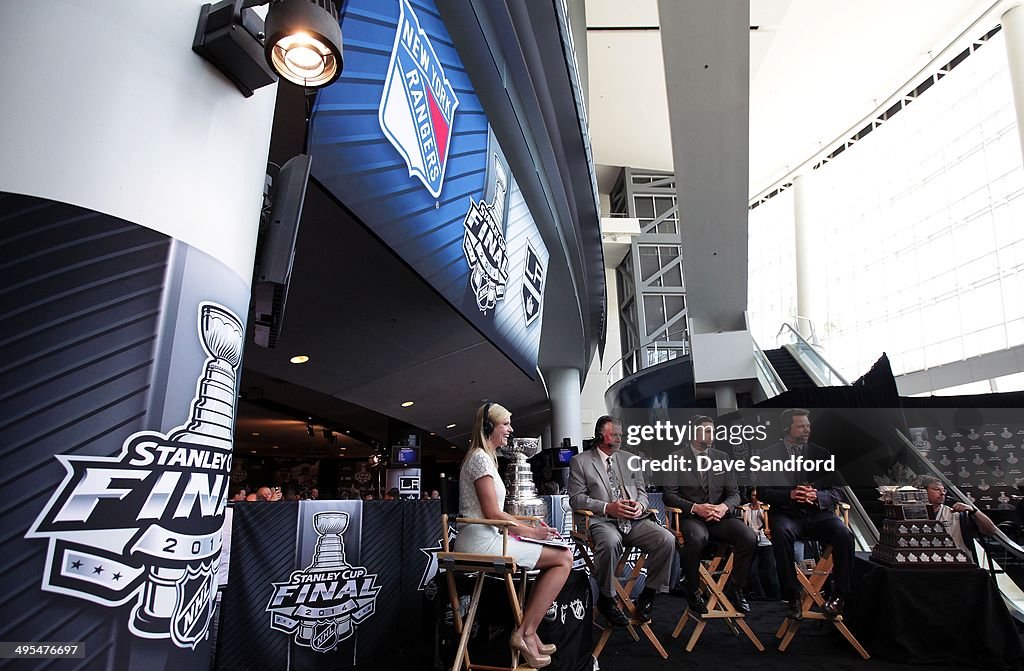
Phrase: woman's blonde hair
pixel 495 414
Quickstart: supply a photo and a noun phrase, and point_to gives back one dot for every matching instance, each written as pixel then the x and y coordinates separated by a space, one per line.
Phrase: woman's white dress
pixel 484 538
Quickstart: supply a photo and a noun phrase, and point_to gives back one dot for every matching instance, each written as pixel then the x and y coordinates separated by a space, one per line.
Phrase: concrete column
pixel 809 278
pixel 1013 35
pixel 564 392
pixel 725 397
pixel 706 50
pixel 131 182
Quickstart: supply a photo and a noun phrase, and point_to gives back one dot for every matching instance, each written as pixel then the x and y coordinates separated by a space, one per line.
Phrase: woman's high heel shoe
pixel 518 646
pixel 547 648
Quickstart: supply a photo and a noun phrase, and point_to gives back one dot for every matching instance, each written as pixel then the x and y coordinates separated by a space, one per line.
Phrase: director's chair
pixel 584 541
pixel 714 574
pixel 503 566
pixel 811 575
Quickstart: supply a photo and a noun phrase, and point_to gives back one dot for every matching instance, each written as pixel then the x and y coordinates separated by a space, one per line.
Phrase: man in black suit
pixel 803 505
pixel 708 499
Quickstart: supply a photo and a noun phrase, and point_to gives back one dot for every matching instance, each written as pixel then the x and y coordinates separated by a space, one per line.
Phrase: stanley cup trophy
pixel 521 494
pixel 210 425
pixel 329 556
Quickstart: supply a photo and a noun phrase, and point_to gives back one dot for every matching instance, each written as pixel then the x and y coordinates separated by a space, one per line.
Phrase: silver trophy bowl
pixel 520 492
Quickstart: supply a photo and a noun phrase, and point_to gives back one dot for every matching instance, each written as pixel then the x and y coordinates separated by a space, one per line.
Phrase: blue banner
pixel 403 141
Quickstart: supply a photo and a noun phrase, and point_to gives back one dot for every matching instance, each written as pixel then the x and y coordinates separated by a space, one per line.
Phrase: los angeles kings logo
pixel 145 526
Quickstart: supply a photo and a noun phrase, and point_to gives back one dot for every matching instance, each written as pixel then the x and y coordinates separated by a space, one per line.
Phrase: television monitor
pixel 564 456
pixel 402 455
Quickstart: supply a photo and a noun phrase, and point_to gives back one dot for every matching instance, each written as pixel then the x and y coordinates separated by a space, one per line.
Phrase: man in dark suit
pixel 600 481
pixel 803 505
pixel 708 499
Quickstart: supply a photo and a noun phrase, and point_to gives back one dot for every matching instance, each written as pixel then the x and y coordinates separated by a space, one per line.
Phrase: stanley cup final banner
pixel 403 141
pixel 118 381
pixel 314 585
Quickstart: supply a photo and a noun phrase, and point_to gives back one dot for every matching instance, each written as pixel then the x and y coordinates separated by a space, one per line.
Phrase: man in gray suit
pixel 600 481
pixel 708 499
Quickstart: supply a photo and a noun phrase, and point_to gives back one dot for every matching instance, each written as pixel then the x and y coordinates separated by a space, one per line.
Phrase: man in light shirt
pixel 963 521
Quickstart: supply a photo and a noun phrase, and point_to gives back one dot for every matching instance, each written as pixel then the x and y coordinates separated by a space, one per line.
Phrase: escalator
pixel 788 370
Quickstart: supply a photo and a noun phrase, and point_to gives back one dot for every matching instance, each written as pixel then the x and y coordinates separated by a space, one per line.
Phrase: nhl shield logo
pixel 418 103
pixel 325 636
pixel 193 609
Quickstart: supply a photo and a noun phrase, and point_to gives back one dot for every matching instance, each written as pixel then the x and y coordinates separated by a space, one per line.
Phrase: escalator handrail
pixel 762 362
pixel 808 347
pixel 861 514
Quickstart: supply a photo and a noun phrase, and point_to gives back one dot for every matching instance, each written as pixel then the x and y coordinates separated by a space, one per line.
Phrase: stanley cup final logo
pixel 322 604
pixel 144 527
pixel 484 241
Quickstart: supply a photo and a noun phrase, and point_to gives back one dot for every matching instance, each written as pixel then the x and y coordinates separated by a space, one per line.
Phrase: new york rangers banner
pixel 403 141
pixel 119 384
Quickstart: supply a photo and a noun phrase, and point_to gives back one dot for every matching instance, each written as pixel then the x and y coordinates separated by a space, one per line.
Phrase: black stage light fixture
pixel 300 41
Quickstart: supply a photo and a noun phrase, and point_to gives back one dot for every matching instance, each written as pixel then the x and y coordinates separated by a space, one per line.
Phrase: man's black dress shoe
pixel 697 603
pixel 607 607
pixel 645 605
pixel 739 599
pixel 834 607
pixel 795 610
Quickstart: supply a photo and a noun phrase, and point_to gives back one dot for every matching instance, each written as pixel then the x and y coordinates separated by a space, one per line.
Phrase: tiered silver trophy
pixel 520 492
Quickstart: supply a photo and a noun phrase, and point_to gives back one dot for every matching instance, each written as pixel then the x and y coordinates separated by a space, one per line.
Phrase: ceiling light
pixel 300 41
pixel 407 404
pixel 254 451
pixel 450 426
pixel 302 358
pixel 255 433
pixel 276 446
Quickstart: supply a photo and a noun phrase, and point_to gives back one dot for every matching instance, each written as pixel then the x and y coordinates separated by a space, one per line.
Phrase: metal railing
pixel 809 358
pixel 655 352
pixel 766 373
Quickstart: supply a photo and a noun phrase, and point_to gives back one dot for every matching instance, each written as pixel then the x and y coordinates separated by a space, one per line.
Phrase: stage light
pixel 303 42
pixel 310 431
pixel 300 41
pixel 450 426
pixel 302 358
pixel 408 404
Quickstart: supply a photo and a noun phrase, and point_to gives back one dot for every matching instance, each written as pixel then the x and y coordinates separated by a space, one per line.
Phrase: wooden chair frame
pixel 503 565
pixel 812 582
pixel 584 541
pixel 714 575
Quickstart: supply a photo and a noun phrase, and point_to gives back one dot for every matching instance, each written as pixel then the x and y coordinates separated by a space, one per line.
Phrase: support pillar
pixel 564 392
pixel 1013 35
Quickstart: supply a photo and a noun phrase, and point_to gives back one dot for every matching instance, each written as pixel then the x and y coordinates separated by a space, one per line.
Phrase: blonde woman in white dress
pixel 482 495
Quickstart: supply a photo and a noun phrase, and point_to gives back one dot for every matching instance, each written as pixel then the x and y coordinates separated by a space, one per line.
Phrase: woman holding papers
pixel 482 495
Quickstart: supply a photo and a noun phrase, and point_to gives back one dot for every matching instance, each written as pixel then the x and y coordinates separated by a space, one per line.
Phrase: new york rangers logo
pixel 418 104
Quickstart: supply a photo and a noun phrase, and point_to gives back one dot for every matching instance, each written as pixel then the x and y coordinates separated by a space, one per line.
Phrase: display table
pixel 925 616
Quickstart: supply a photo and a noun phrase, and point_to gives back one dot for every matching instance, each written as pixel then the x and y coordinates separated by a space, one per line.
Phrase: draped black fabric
pixel 928 616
